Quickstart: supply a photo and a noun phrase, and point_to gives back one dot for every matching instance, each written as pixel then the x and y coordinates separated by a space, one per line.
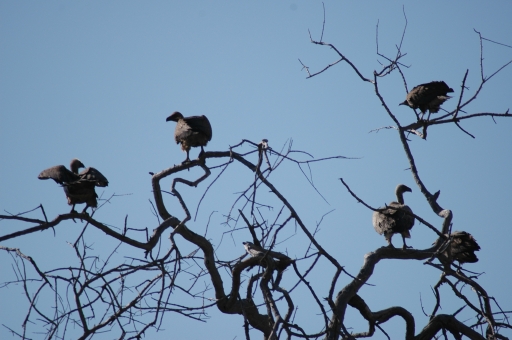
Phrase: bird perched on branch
pixel 428 96
pixel 257 251
pixel 394 218
pixel 79 187
pixel 253 250
pixel 462 248
pixel 191 131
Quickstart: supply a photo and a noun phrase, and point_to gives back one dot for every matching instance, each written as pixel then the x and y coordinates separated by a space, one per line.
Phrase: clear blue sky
pixel 95 80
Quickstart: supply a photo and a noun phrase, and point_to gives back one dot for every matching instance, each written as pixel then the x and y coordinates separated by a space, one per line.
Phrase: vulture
pixel 253 250
pixel 462 248
pixel 428 96
pixel 391 221
pixel 79 187
pixel 257 251
pixel 191 131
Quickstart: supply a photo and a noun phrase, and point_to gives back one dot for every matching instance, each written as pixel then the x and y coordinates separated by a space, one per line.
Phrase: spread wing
pixel 94 176
pixel 59 174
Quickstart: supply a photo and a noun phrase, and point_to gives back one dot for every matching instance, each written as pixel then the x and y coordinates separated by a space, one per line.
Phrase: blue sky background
pixel 96 80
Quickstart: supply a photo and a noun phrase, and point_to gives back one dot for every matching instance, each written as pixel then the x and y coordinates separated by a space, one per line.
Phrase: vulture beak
pixel 174 117
pixel 403 103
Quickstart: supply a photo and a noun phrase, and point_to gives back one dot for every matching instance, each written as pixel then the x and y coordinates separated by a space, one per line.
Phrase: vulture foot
pixel 73 211
pixel 388 240
pixel 84 212
pixel 202 157
pixel 186 161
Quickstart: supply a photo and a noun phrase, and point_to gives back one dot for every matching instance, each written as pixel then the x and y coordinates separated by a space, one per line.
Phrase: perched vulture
pixel 462 248
pixel 428 96
pixel 191 131
pixel 253 250
pixel 79 187
pixel 257 251
pixel 394 221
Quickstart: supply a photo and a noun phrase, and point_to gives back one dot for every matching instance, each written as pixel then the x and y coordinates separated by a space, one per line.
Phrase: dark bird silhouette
pixel 191 131
pixel 428 96
pixel 394 219
pixel 462 248
pixel 79 187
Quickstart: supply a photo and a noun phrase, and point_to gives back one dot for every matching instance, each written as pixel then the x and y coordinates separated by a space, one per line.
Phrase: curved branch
pixel 370 261
pixel 449 322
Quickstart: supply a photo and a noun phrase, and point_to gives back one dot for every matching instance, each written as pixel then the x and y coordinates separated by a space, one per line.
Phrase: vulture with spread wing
pixel 79 187
pixel 191 131
pixel 394 218
pixel 428 96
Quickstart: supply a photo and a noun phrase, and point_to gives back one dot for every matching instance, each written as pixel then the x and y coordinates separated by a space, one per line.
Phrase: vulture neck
pixel 74 166
pixel 400 197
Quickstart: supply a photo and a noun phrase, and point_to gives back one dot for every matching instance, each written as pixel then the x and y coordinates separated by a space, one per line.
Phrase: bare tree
pixel 131 297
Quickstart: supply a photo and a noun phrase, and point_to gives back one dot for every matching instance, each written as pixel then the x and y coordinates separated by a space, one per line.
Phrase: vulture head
pixel 75 165
pixel 399 191
pixel 174 117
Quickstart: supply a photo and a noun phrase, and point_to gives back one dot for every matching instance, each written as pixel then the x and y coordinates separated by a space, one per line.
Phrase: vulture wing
pixel 383 223
pixel 200 124
pixel 59 174
pixel 93 175
pixel 441 88
pixel 463 247
pixel 392 220
pixel 421 95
